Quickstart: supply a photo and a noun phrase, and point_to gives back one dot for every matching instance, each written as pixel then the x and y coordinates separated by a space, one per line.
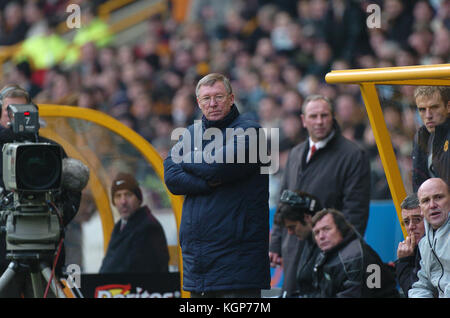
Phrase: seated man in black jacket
pixel 408 263
pixel 295 212
pixel 138 243
pixel 347 266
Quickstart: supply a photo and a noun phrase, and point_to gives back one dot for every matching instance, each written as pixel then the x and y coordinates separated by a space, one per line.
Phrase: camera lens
pixel 38 167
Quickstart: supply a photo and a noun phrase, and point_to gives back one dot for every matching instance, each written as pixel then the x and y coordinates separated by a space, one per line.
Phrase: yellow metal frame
pixel 100 194
pixel 438 74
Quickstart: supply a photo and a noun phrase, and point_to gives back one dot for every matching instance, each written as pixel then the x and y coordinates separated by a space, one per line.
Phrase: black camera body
pixel 299 201
pixel 24 118
pixel 32 175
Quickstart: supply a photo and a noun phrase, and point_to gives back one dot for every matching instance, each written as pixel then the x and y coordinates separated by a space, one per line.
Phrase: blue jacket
pixel 224 232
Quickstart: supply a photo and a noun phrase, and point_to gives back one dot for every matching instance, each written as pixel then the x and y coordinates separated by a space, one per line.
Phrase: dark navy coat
pixel 224 232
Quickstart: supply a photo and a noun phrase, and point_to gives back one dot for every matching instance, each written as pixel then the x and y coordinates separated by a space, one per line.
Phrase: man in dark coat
pixel 348 267
pixel 338 174
pixel 138 243
pixel 431 155
pixel 224 232
pixel 408 263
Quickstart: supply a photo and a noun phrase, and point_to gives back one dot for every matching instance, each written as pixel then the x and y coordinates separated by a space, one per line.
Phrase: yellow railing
pixel 105 9
pixel 367 79
pixel 98 190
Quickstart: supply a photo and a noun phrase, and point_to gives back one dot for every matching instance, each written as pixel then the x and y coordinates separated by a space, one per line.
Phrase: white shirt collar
pixel 321 143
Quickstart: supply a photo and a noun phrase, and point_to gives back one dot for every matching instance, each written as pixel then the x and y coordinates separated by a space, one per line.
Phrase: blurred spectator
pixel 142 110
pixel 14 28
pixel 86 98
pixel 423 13
pixel 292 129
pixel 21 74
pixel 269 113
pixel 138 243
pixel 348 115
pixel 346 31
pixel 92 28
pixel 441 46
pixel 184 109
pixel 44 51
pixel 34 16
pixel 398 20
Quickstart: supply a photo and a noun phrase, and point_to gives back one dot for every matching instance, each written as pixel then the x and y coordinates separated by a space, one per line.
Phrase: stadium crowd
pixel 274 52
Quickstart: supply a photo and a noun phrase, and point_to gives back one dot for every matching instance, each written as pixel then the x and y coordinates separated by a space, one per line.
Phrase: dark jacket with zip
pixel 406 269
pixel 224 232
pixel 352 269
pixel 441 154
pixel 305 269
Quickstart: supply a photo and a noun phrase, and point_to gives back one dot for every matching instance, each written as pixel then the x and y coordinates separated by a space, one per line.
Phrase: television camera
pixel 33 177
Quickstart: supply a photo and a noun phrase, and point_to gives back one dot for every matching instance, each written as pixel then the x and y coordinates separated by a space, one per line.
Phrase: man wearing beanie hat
pixel 138 243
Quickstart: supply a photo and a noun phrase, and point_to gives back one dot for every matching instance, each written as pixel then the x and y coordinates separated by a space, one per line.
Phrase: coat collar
pixel 221 123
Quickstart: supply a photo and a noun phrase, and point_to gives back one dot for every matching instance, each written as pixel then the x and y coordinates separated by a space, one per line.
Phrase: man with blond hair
pixel 431 156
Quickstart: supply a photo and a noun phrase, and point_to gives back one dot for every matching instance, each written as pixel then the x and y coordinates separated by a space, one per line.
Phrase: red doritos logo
pixel 112 291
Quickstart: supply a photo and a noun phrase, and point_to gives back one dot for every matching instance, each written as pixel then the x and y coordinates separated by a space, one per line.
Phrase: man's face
pixel 318 119
pixel 4 120
pixel 214 101
pixel 434 200
pixel 413 221
pixel 298 229
pixel 432 110
pixel 126 203
pixel 326 233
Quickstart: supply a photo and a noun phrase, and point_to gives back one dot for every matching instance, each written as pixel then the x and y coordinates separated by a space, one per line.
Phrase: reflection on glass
pixel 107 153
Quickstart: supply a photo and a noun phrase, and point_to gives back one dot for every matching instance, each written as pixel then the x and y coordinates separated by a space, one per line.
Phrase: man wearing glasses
pixel 224 231
pixel 408 263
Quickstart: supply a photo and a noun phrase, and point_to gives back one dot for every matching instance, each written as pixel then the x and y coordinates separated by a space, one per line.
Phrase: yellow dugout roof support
pixel 438 75
pixel 100 193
